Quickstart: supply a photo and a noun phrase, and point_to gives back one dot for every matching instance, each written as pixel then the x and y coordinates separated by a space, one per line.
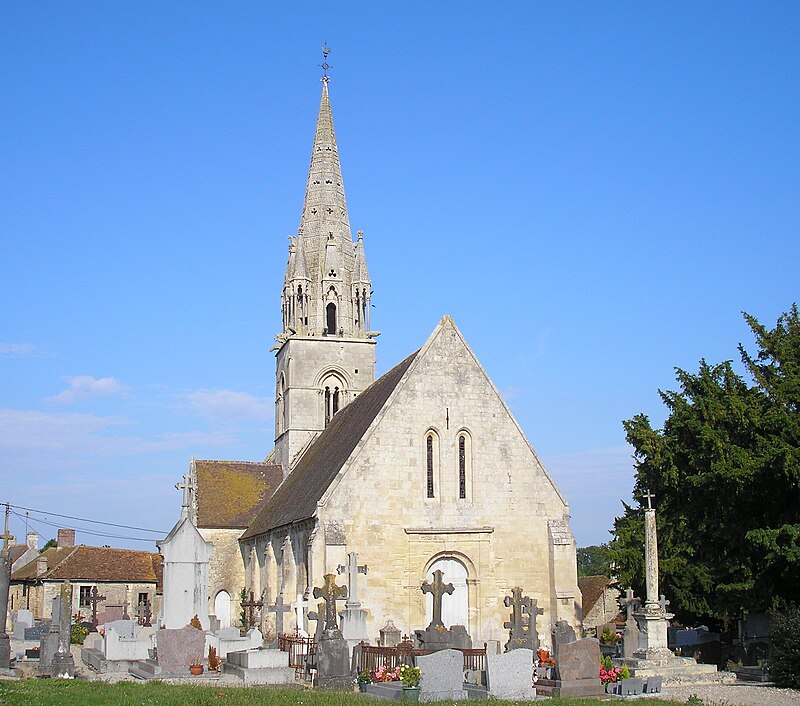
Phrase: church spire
pixel 326 276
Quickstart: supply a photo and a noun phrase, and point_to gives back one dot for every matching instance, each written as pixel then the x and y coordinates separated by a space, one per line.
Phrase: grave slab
pixel 442 676
pixel 510 675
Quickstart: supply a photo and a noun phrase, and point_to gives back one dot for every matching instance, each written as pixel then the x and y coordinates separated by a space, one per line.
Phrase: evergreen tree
pixel 725 470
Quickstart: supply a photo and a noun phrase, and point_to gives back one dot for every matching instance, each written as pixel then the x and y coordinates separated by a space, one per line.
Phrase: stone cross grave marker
pixel 352 569
pixel 330 592
pixel 630 603
pixel 279 608
pixel 523 610
pixel 437 589
pixel 250 608
pixel 94 599
pixel 300 611
pixel 663 603
pixel 144 612
pixel 318 616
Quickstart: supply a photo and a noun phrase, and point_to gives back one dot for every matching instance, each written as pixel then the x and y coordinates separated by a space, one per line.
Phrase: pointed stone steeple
pixel 326 350
pixel 319 297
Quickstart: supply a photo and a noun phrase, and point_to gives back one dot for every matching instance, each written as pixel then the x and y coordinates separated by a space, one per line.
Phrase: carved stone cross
pixel 279 608
pixel 250 606
pixel 352 569
pixel 649 496
pixel 94 599
pixel 519 605
pixel 300 612
pixel 663 603
pixel 437 589
pixel 630 603
pixel 331 593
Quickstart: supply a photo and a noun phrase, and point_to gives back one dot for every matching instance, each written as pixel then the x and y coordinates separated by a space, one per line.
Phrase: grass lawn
pixel 55 692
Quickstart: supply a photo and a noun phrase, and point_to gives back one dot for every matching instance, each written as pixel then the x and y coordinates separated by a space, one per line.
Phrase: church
pixel 422 469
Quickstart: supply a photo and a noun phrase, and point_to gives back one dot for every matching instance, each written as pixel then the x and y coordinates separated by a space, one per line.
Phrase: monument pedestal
pixel 441 638
pixel 63 666
pixel 333 662
pixel 354 625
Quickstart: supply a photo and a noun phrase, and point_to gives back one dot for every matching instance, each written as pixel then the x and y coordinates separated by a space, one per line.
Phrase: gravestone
pixel 63 666
pixel 631 635
pixel 577 670
pixel 563 633
pixel 179 648
pixel 38 631
pixel 333 653
pixel 123 628
pixel 94 599
pixel 442 676
pixel 390 634
pixel 279 608
pixel 23 620
pixel 260 666
pixel 48 642
pixel 510 675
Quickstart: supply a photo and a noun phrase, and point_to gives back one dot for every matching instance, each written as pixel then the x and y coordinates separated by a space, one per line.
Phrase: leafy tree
pixel 594 560
pixel 784 665
pixel 725 470
pixel 48 544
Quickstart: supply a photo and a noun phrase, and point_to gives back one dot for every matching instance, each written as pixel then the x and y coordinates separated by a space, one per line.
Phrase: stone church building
pixel 422 469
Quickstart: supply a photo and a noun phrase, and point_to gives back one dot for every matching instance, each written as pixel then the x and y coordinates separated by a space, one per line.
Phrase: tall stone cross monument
pixel 354 617
pixel 652 617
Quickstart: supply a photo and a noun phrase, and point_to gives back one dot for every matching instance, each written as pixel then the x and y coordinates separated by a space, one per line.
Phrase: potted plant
pixel 196 665
pixel 363 679
pixel 410 677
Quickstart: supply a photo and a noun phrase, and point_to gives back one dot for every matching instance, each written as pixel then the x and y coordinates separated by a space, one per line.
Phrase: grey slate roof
pixel 296 498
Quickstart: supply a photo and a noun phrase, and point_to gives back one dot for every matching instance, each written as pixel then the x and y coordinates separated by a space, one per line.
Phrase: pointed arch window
pixel 330 319
pixel 431 463
pixel 334 395
pixel 464 466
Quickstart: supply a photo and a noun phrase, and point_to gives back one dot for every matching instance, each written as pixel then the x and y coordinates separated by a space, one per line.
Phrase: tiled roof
pixel 592 588
pixel 296 499
pixel 15 551
pixel 230 493
pixel 84 563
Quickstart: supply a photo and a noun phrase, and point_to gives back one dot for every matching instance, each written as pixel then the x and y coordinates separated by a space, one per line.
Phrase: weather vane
pixel 325 65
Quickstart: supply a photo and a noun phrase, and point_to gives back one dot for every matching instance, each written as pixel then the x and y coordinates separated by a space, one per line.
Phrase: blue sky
pixel 593 191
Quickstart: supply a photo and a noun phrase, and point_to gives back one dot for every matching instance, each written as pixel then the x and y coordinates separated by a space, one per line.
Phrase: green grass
pixel 54 692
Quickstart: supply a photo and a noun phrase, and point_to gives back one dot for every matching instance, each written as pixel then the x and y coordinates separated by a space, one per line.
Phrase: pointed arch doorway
pixel 455 606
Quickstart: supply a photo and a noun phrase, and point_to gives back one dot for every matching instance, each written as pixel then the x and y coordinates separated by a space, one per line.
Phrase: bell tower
pixel 325 350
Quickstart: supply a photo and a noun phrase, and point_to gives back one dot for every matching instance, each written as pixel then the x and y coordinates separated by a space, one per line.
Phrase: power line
pixel 85 531
pixel 84 519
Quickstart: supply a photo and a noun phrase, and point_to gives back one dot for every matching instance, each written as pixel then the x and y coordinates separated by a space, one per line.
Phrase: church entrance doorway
pixel 222 609
pixel 455 607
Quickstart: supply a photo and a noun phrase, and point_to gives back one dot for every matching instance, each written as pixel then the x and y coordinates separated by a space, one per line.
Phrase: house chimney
pixel 32 540
pixel 41 565
pixel 66 538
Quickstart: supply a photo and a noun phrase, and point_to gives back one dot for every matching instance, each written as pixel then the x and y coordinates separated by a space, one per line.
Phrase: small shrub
pixel 784 665
pixel 694 700
pixel 77 634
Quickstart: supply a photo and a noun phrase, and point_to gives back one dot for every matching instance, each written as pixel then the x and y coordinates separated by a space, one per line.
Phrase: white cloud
pixel 228 404
pixel 16 350
pixel 41 436
pixel 85 386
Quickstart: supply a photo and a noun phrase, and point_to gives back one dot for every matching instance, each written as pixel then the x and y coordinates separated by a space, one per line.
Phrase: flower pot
pixel 362 686
pixel 410 693
pixel 196 669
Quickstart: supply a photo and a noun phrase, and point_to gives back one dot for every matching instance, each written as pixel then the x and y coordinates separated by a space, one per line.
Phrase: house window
pixel 86 592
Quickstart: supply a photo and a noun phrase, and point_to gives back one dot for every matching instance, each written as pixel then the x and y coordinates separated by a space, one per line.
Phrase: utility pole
pixel 5 579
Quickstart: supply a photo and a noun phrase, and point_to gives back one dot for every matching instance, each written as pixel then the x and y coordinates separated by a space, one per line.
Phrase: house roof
pixel 592 588
pixel 15 551
pixel 84 563
pixel 231 493
pixel 296 499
